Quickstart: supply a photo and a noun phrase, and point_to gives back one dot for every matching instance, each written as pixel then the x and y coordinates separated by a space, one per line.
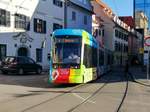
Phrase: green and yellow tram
pixel 76 57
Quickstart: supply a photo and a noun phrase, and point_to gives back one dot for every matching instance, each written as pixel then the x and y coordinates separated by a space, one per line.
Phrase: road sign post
pixel 147 44
pixel 148 67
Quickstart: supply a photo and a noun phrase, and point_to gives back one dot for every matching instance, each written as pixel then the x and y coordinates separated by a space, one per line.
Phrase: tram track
pixel 123 96
pixel 70 91
pixel 88 98
pixel 63 92
pixel 138 82
pixel 125 93
pixel 53 98
pixel 98 90
pixel 129 76
pixel 20 96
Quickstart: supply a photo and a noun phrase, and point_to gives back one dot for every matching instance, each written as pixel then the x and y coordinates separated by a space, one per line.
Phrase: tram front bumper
pixel 71 79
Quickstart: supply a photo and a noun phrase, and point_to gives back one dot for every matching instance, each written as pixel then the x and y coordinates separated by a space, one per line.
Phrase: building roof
pixel 108 11
pixel 128 20
pixel 104 5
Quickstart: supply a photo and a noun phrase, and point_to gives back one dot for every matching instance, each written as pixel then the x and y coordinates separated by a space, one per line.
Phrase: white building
pixel 79 14
pixel 26 25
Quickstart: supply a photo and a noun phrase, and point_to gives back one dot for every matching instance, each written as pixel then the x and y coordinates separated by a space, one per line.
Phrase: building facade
pixel 113 34
pixel 141 21
pixel 26 25
pixel 97 24
pixel 118 34
pixel 142 8
pixel 78 14
pixel 142 16
pixel 134 41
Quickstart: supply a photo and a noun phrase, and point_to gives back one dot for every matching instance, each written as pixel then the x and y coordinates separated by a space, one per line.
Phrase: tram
pixel 76 57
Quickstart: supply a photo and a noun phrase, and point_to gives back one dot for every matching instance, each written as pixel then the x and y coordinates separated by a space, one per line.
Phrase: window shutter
pixel 7 18
pixel 27 23
pixel 28 26
pixel 44 27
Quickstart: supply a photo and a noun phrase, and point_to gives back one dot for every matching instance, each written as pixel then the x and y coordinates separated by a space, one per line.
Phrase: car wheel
pixel 39 70
pixel 20 71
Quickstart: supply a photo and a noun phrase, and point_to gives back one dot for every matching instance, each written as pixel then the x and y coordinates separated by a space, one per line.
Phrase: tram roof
pixel 75 32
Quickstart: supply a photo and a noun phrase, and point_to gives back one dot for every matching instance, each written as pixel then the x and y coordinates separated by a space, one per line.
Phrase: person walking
pixel 127 71
pixel 126 68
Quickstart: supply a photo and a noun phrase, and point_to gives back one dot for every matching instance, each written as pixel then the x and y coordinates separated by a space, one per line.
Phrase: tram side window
pixel 101 58
pixel 112 58
pixel 90 56
pixel 94 57
pixel 87 56
pixel 108 59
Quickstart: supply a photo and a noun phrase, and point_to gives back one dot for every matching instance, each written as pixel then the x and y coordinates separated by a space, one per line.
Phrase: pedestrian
pixel 127 71
pixel 126 67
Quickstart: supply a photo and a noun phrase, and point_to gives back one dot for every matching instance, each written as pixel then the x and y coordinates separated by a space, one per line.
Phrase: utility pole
pixel 121 46
pixel 148 67
pixel 65 12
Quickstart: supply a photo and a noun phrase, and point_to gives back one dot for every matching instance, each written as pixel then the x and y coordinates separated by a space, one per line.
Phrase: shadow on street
pixel 116 75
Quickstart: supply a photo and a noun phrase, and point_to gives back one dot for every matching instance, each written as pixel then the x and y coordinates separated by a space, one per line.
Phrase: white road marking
pixel 78 96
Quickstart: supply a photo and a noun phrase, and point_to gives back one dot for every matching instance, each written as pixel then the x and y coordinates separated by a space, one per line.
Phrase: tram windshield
pixel 67 51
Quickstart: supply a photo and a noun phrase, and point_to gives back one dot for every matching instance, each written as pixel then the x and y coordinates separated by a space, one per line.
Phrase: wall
pixel 42 9
pixel 79 22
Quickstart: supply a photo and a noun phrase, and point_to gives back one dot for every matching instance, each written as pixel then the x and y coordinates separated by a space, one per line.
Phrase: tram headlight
pixel 54 66
pixel 75 67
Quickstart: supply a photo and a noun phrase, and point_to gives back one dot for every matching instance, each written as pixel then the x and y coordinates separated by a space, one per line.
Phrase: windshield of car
pixel 9 59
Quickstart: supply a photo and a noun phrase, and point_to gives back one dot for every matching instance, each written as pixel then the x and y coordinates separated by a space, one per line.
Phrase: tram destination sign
pixel 67 40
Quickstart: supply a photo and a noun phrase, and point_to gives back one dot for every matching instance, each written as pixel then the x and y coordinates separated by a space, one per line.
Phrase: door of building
pixel 22 51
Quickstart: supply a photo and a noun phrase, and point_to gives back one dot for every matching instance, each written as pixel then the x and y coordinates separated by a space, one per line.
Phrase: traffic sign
pixel 147 41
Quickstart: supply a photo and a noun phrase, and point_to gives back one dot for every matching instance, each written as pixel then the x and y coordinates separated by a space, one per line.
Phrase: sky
pixel 121 7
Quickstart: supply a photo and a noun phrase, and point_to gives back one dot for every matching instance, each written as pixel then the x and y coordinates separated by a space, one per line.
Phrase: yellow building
pixel 141 21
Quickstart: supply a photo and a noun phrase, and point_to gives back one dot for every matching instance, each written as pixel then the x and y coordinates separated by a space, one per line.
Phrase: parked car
pixel 19 65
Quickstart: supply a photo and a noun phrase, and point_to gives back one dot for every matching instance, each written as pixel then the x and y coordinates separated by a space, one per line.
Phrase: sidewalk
pixel 139 75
